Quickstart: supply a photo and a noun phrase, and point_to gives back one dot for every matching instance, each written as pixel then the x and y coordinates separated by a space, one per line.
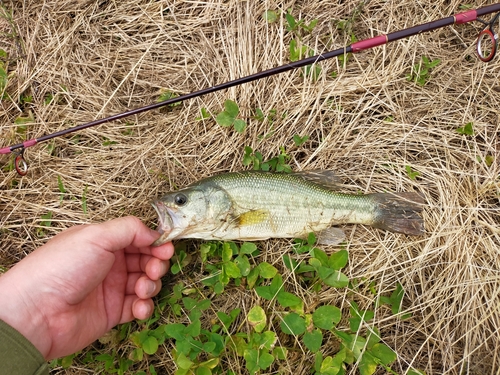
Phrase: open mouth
pixel 169 225
pixel 165 224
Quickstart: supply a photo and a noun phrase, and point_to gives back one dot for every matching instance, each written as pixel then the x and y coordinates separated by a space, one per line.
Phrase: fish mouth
pixel 165 222
pixel 168 224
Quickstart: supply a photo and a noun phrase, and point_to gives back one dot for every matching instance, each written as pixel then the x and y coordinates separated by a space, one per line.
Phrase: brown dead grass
pixel 102 58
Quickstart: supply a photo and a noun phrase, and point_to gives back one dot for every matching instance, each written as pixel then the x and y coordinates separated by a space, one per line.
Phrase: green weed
pixel 297 49
pixel 51 147
pixel 268 135
pixel 276 164
pixel 196 350
pixel 412 174
pixel 488 160
pixel 233 263
pixel 258 348
pixel 56 98
pixel 25 99
pixel 343 59
pixel 180 259
pixel 395 301
pixel 129 130
pixel 270 16
pixel 48 99
pixel 4 79
pixel 252 158
pixel 300 52
pixel 466 129
pixel 108 142
pixel 21 121
pixel 167 95
pixel 11 33
pixel 204 115
pixel 297 53
pixel 61 187
pixel 295 26
pixel 64 362
pixel 46 222
pixel 299 141
pixel 321 268
pixel 229 117
pixel 421 72
pixel 200 350
pixel 260 116
pixel 346 26
pixel 84 199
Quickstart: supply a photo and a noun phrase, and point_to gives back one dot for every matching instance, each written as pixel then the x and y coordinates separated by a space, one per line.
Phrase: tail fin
pixel 399 212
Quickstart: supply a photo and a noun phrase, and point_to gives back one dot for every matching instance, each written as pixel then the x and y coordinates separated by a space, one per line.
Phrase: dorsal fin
pixel 325 178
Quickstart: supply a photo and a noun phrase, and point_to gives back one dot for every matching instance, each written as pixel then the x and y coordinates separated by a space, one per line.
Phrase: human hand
pixel 83 282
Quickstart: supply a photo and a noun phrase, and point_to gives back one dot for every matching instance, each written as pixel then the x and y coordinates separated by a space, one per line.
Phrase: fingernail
pixel 148 311
pixel 163 268
pixel 151 288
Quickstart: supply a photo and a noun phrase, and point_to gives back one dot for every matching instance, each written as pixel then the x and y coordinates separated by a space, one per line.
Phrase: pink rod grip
pixel 26 144
pixel 369 43
pixel 30 143
pixel 465 17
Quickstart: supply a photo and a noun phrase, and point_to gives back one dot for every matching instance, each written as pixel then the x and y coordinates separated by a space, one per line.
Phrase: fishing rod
pixel 486 46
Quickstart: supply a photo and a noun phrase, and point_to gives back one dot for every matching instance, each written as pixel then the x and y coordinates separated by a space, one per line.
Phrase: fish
pixel 258 205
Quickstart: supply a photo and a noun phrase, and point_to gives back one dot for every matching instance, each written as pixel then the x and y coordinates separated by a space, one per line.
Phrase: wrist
pixel 20 313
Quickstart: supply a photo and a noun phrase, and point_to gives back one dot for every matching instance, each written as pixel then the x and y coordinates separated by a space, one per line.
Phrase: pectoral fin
pixel 330 236
pixel 252 217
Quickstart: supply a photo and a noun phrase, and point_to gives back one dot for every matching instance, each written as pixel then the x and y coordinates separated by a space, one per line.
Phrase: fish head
pixel 192 212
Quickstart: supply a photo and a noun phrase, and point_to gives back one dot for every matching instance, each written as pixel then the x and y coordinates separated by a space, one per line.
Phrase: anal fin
pixel 330 236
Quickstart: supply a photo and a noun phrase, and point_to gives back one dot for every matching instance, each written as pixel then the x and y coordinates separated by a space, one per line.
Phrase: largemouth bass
pixel 255 205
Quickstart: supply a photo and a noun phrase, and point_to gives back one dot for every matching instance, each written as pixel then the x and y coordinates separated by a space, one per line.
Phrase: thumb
pixel 125 232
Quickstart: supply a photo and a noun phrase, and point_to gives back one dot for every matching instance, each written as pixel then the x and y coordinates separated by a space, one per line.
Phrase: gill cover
pixel 190 212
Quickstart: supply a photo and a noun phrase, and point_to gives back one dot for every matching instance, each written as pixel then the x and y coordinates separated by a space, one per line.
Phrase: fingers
pixel 131 281
pixel 165 251
pixel 142 308
pixel 141 286
pixel 136 308
pixel 153 267
pixel 147 288
pixel 143 281
pixel 156 268
pixel 137 262
pixel 138 303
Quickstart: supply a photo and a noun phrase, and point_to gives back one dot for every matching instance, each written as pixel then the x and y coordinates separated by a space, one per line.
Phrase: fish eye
pixel 180 199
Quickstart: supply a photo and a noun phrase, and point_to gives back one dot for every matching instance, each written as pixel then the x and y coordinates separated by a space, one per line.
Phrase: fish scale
pixel 296 206
pixel 256 205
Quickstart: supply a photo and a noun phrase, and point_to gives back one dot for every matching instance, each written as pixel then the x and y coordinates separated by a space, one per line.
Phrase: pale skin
pixel 83 282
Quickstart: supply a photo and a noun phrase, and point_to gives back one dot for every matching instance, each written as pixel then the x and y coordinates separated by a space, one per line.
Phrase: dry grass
pixel 99 58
